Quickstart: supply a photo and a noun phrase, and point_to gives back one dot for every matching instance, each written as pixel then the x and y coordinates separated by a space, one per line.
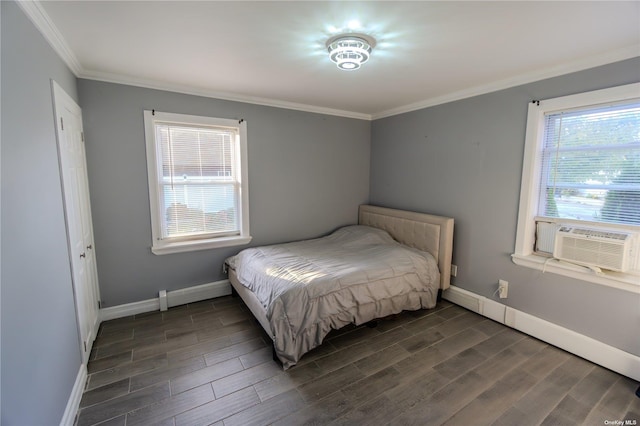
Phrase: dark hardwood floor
pixel 209 363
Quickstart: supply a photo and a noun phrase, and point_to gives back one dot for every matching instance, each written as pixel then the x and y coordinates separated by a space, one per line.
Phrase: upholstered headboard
pixel 426 232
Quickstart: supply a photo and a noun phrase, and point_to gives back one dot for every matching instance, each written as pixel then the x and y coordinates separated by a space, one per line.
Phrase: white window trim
pixel 161 246
pixel 525 235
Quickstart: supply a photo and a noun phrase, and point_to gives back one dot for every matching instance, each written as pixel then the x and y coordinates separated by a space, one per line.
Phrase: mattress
pixel 354 275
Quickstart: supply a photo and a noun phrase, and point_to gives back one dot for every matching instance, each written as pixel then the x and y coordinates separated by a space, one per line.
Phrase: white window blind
pixel 199 180
pixel 198 186
pixel 581 169
pixel 591 164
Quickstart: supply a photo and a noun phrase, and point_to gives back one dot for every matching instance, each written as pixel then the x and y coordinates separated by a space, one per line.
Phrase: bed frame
pixel 430 233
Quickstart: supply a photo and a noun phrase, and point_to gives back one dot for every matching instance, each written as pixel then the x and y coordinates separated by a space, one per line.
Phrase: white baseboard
pixel 583 346
pixel 128 309
pixel 198 293
pixel 69 416
pixel 173 298
pixel 463 298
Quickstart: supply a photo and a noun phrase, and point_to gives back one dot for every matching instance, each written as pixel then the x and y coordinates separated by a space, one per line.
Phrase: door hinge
pixel 85 345
pixel 99 304
pixel 82 136
pixel 61 123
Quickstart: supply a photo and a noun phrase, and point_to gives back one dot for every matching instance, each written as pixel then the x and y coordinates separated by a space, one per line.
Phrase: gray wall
pixel 40 348
pixel 464 159
pixel 307 175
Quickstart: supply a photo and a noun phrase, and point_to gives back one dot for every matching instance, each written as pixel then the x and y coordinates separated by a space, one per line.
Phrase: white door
pixel 75 189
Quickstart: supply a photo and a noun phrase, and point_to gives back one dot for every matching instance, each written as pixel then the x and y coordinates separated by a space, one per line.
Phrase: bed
pixel 393 260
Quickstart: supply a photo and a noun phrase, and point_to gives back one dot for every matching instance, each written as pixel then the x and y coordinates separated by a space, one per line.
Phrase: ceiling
pixel 274 53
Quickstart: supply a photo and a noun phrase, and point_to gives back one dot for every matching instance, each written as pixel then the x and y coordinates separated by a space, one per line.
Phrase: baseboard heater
pixel 583 346
pixel 167 299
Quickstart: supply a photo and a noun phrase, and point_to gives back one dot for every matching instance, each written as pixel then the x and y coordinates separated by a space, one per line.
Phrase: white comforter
pixel 354 275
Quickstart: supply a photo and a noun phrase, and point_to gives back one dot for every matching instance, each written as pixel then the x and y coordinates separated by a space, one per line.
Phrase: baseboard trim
pixel 173 298
pixel 583 346
pixel 198 293
pixel 69 416
pixel 128 309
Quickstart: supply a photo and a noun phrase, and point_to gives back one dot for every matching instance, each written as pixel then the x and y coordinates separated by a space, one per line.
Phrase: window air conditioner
pixel 611 250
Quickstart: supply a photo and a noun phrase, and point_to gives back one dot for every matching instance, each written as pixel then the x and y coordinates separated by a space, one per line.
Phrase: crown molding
pixel 565 68
pixel 199 91
pixel 41 20
pixel 44 24
pixel 35 12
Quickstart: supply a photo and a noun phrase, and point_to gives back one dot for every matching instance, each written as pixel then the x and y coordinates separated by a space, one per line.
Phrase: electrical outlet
pixel 454 270
pixel 503 289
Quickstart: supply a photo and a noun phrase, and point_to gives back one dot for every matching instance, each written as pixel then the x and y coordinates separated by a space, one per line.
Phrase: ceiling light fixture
pixel 350 51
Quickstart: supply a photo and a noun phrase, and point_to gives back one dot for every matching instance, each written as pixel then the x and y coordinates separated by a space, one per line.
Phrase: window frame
pixel 524 254
pixel 160 245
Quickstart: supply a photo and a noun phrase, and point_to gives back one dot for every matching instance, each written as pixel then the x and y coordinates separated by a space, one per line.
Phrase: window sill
pixel 618 280
pixel 186 246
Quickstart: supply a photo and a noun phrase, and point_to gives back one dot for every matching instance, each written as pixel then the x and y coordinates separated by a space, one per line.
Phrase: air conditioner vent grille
pixel 608 250
pixel 605 255
pixel 600 234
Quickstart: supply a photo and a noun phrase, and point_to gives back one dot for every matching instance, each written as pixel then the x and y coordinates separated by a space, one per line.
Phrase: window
pixel 197 182
pixel 582 169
